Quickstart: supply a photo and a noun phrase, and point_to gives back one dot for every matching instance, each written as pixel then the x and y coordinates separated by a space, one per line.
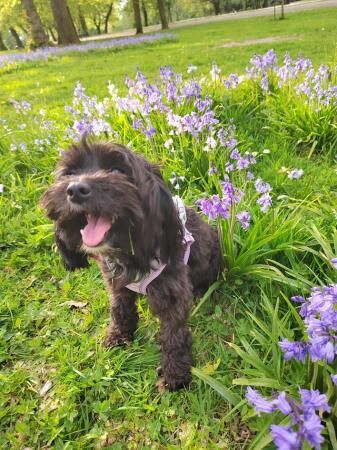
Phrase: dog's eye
pixel 69 172
pixel 115 170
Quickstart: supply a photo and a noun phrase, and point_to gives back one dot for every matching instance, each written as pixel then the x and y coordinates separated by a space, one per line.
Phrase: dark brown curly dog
pixel 112 204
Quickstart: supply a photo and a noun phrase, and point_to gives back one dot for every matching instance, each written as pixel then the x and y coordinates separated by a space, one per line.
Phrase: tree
pixel 83 23
pixel 66 30
pixel 16 37
pixel 2 44
pixel 38 36
pixel 145 15
pixel 216 6
pixel 138 18
pixel 107 17
pixel 12 19
pixel 162 14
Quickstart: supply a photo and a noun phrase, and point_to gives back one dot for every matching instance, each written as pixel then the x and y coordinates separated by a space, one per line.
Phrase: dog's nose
pixel 78 192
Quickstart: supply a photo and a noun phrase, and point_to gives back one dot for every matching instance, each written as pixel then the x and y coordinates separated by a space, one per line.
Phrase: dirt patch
pixel 266 40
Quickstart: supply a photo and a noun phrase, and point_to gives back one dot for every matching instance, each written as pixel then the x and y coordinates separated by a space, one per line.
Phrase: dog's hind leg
pixel 124 317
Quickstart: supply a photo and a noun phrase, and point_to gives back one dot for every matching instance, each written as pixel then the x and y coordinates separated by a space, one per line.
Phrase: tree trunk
pixel 163 15
pixel 282 9
pixel 107 17
pixel 216 6
pixel 37 34
pixel 2 44
pixel 97 23
pixel 66 30
pixel 138 18
pixel 16 37
pixel 145 16
pixel 83 23
pixel 169 10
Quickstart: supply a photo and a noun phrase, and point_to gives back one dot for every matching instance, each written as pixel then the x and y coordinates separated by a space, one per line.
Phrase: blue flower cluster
pixel 320 319
pixel 48 52
pixel 305 424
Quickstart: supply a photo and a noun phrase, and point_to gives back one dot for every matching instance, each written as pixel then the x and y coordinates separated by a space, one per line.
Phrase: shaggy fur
pixel 108 180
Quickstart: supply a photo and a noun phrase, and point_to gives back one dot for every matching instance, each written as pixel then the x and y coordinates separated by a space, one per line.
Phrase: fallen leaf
pixel 74 304
pixel 45 388
pixel 209 368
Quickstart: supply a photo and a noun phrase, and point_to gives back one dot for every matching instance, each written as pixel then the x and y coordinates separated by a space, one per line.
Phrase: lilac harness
pixel 141 285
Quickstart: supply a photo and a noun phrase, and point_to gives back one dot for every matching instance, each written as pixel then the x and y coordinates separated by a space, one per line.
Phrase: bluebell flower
pixel 255 399
pixel 297 350
pixel 334 379
pixel 334 262
pixel 295 174
pixel 284 438
pixel 244 219
pixel 265 201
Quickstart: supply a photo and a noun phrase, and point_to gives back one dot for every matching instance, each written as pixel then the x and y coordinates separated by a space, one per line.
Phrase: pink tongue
pixel 93 233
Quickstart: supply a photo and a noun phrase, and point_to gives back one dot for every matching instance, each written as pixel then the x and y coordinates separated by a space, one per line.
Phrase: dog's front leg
pixel 176 348
pixel 124 317
pixel 170 302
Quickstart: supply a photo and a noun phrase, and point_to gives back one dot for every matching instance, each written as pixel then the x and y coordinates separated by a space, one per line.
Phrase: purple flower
pixel 305 424
pixel 166 73
pixel 334 379
pixel 312 400
pixel 229 167
pixel 297 350
pixel 311 431
pixel 284 438
pixel 1 188
pixel 149 131
pixel 255 399
pixel 295 174
pixel 212 170
pixel 215 72
pixel 264 82
pixel 322 347
pixel 244 219
pixel 191 89
pixel 334 262
pixel 137 124
pixel 265 202
pixel 282 404
pixel 298 299
pixel 191 68
pixel 235 154
pixel 262 187
pixel 250 175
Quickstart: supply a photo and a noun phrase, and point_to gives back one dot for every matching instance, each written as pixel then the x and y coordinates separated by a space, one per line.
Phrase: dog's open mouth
pixel 95 230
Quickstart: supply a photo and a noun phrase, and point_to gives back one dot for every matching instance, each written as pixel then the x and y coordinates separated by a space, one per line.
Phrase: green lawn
pixel 108 399
pixel 314 34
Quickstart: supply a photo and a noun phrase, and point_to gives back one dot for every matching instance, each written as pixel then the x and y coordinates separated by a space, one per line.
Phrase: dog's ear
pixel 161 229
pixel 49 202
pixel 68 241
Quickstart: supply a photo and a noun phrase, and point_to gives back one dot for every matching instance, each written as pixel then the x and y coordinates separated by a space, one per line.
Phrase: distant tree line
pixel 39 23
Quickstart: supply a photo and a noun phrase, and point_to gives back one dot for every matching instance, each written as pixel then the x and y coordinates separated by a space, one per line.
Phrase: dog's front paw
pixel 171 384
pixel 175 385
pixel 114 338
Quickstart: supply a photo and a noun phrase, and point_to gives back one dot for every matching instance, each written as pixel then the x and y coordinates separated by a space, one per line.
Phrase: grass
pixel 108 399
pixel 314 35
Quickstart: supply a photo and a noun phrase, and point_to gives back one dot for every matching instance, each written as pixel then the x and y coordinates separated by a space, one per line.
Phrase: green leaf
pixel 228 395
